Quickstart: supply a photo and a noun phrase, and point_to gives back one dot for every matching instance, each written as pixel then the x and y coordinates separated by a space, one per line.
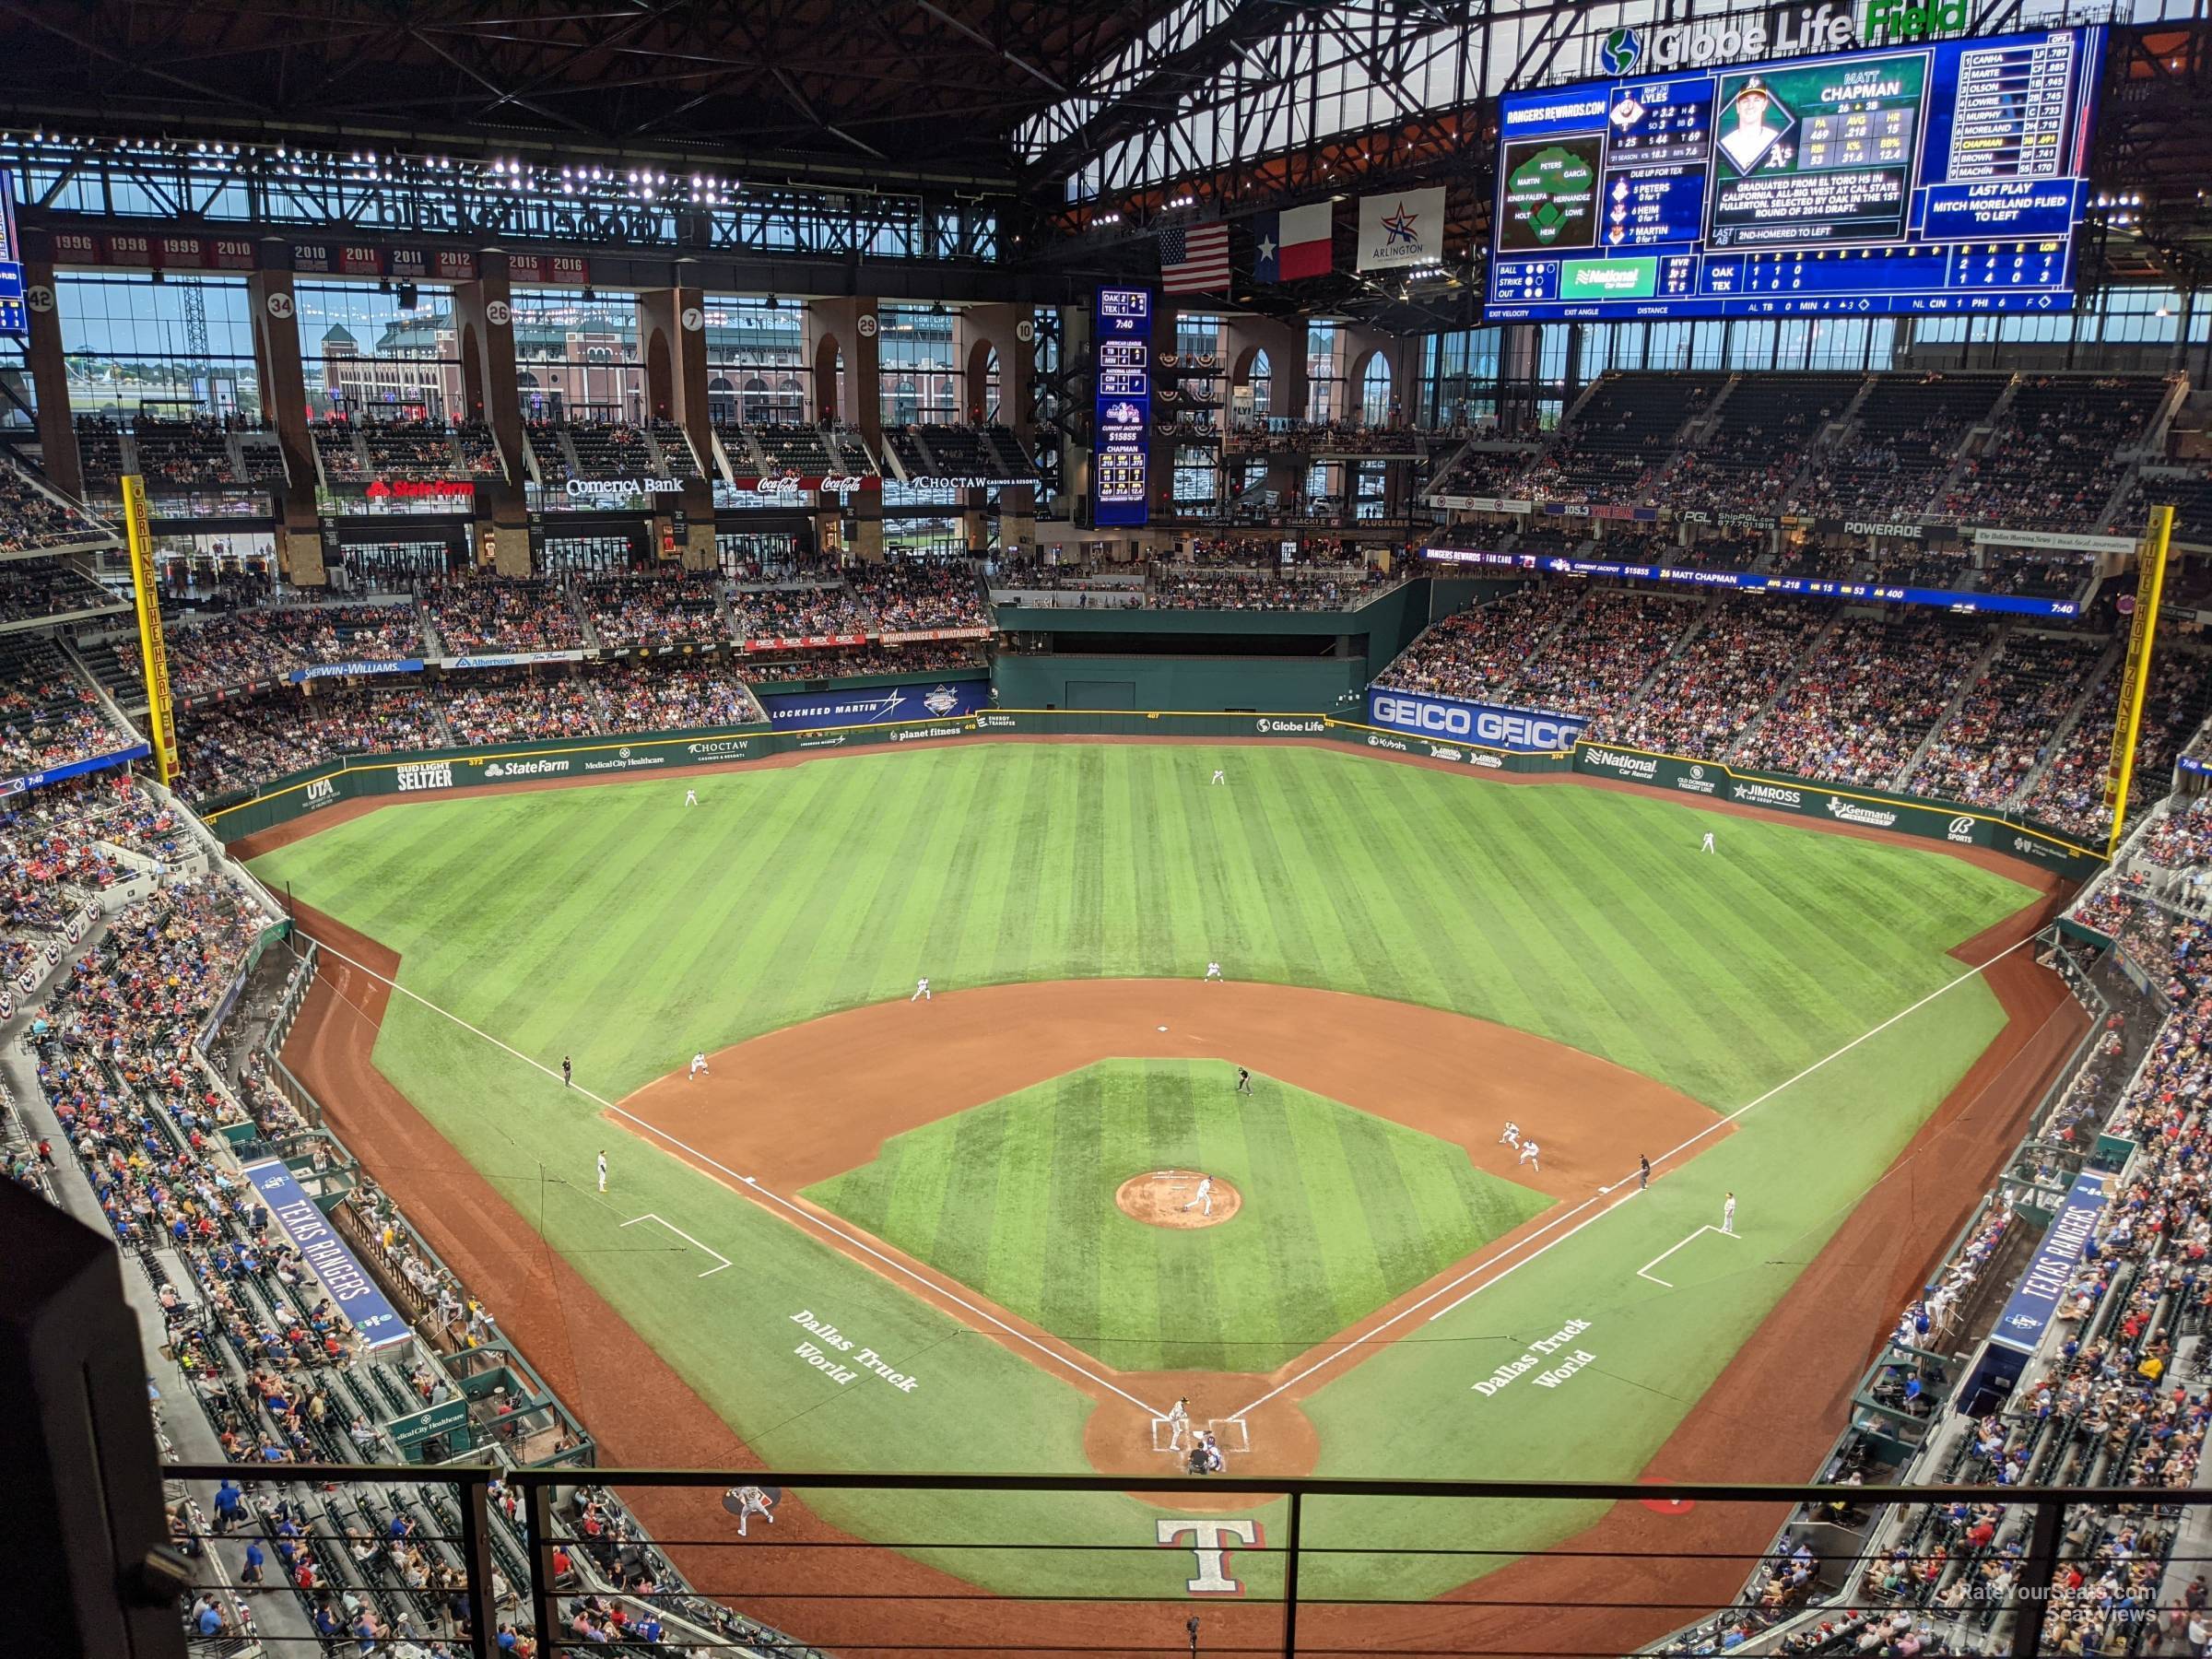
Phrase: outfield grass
pixel 613 924
pixel 1342 1212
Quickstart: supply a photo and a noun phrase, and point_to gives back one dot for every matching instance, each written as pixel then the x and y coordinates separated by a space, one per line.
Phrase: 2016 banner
pixel 1518 731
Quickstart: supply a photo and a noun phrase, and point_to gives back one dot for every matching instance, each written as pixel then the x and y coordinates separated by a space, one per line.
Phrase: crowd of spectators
pixel 1710 691
pixel 238 648
pixel 826 609
pixel 521 709
pixel 184 455
pixel 2002 727
pixel 913 656
pixel 410 448
pixel 2053 462
pixel 656 610
pixel 1473 652
pixel 235 745
pixel 31 518
pixel 1616 641
pixel 1265 587
pixel 30 588
pixel 914 595
pixel 2070 794
pixel 640 697
pixel 1865 698
pixel 49 717
pixel 490 614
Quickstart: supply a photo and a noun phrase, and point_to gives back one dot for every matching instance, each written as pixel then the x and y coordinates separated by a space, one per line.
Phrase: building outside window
pixel 577 358
pixel 757 367
pixel 1324 373
pixel 369 358
pixel 175 350
pixel 916 371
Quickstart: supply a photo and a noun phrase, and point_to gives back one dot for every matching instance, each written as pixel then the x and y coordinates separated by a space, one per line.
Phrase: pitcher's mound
pixel 1158 1199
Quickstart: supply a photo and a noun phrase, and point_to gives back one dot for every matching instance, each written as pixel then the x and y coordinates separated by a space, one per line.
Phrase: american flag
pixel 1194 259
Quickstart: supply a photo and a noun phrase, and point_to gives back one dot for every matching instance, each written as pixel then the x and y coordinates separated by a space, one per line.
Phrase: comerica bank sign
pixel 1521 731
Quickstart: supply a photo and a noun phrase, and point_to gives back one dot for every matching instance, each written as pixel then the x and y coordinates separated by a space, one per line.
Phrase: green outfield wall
pixel 431 772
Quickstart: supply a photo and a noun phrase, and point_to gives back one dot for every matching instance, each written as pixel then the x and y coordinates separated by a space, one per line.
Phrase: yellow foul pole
pixel 153 653
pixel 2135 680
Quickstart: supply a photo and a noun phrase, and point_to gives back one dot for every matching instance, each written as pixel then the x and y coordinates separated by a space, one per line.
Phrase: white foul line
pixel 1336 1354
pixel 1645 1271
pixel 679 1232
pixel 753 1186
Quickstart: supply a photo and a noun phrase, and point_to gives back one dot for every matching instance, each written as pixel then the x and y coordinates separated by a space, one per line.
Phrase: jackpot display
pixel 1122 342
pixel 1943 177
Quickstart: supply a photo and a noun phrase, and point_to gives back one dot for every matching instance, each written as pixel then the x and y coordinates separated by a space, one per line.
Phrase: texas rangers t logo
pixel 1210 1542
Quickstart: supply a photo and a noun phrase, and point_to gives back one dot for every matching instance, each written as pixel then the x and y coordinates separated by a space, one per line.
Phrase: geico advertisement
pixel 1516 729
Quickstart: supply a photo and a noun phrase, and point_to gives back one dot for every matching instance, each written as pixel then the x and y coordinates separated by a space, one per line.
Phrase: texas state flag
pixel 1292 243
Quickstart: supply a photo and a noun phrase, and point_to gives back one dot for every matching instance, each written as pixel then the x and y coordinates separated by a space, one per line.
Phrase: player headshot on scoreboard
pixel 1753 123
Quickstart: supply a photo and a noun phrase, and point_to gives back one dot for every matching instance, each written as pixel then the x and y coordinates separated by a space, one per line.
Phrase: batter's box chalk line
pixel 1233 1433
pixel 1645 1271
pixel 720 1261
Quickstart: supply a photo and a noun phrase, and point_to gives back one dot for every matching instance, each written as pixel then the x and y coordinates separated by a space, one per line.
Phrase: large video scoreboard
pixel 1946 177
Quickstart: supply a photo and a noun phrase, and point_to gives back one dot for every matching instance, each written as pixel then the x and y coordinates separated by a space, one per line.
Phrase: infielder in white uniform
pixel 1512 1137
pixel 752 1501
pixel 1213 970
pixel 1178 1424
pixel 698 1065
pixel 920 992
pixel 1204 1198
pixel 602 1171
pixel 1528 1156
pixel 1728 1215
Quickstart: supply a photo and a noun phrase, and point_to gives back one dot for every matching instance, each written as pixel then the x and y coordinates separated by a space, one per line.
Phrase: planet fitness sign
pixel 1519 731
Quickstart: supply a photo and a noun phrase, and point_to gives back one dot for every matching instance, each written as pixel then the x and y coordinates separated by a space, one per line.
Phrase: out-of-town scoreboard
pixel 13 319
pixel 1121 429
pixel 1939 178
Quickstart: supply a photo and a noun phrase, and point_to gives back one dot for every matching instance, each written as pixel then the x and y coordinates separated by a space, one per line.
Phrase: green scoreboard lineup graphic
pixel 1945 177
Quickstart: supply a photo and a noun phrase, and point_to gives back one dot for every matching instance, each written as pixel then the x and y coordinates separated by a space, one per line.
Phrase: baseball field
pixel 955 1233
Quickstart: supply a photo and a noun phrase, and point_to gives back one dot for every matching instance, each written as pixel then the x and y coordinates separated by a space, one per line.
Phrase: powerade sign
pixel 327 1256
pixel 1521 731
pixel 875 705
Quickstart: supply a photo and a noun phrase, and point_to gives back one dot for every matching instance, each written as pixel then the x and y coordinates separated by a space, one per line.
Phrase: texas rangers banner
pixel 1488 726
pixel 2034 1300
pixel 877 705
pixel 327 1256
pixel 1401 230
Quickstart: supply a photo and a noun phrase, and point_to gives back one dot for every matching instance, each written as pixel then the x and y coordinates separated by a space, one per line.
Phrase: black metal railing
pixel 1561 1569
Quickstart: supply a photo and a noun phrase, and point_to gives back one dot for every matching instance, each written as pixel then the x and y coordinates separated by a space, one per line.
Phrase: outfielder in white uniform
pixel 1528 1156
pixel 1728 1215
pixel 1708 846
pixel 1204 1198
pixel 1221 776
pixel 1178 1424
pixel 1213 970
pixel 602 1171
pixel 691 799
pixel 698 1065
pixel 920 992
pixel 1512 1137
pixel 752 1501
